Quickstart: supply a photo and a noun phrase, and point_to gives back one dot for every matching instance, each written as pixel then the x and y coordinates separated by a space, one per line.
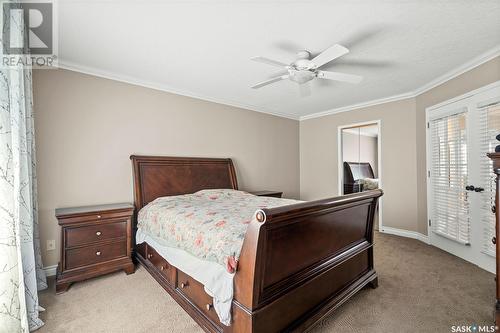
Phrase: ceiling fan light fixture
pixel 304 69
pixel 301 76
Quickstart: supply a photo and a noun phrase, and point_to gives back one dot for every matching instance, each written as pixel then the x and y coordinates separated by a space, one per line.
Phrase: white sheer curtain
pixel 21 273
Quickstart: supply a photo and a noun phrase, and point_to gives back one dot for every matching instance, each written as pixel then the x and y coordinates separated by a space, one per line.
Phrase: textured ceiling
pixel 203 48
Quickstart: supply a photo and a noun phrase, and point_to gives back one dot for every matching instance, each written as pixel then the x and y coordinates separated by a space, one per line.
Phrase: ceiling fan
pixel 304 69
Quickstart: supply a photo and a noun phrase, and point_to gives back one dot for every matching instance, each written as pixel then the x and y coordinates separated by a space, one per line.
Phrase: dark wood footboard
pixel 298 262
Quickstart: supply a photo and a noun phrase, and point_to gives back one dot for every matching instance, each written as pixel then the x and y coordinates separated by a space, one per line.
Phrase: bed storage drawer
pixel 163 266
pixel 195 292
pixel 141 249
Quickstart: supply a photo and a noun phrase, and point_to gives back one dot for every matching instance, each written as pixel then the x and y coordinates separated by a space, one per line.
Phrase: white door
pixel 460 179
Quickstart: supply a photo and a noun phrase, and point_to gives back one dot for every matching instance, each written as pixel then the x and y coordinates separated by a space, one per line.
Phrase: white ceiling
pixel 203 48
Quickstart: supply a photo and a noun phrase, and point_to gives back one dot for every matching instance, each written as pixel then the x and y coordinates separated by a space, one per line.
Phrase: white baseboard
pixel 50 270
pixel 406 233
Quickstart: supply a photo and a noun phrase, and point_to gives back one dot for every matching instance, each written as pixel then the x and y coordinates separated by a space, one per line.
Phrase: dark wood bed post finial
pixel 495 157
pixel 260 216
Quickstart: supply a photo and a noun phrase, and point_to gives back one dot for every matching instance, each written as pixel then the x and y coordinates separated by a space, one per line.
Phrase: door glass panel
pixel 450 218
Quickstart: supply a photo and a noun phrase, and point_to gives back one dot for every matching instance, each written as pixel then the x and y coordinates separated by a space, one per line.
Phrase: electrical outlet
pixel 51 245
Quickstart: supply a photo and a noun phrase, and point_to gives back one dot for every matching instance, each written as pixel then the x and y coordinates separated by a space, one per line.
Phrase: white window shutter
pixel 450 205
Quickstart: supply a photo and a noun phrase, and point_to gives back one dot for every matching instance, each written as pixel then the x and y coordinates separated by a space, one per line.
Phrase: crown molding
pixel 481 59
pixel 477 61
pixel 358 106
pixel 161 87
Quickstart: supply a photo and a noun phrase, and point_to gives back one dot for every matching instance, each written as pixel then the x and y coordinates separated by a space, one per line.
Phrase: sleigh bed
pixel 298 263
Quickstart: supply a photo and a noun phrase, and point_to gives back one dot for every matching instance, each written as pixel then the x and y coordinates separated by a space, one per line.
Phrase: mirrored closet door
pixel 359 158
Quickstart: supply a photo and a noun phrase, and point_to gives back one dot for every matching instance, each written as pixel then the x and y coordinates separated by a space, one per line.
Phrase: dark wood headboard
pixel 160 176
pixel 357 170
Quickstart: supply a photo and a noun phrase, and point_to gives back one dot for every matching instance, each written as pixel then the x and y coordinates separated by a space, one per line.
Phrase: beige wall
pixel 360 148
pixel 87 127
pixel 319 158
pixel 403 148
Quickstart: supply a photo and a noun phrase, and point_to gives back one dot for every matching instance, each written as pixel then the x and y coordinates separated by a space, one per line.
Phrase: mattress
pixel 209 224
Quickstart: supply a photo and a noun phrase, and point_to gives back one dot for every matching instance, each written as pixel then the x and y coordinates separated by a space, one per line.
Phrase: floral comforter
pixel 209 224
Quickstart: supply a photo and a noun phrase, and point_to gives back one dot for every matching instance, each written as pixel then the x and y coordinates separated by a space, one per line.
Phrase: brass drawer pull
pixel 208 306
pixel 162 268
pixel 98 253
pixel 184 284
pixel 98 233
pixel 150 256
pixel 98 216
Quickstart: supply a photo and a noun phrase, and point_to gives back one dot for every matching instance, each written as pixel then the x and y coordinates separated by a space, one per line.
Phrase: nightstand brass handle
pixel 98 216
pixel 150 256
pixel 98 253
pixel 184 285
pixel 208 306
pixel 162 268
pixel 98 233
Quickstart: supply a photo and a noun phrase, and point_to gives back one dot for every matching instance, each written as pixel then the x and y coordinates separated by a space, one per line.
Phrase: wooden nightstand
pixel 95 240
pixel 275 194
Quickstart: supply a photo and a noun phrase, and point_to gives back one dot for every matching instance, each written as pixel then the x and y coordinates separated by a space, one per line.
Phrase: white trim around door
pixel 340 169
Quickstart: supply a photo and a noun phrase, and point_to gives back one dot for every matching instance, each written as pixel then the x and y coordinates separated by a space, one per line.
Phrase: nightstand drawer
pixel 94 233
pixel 93 254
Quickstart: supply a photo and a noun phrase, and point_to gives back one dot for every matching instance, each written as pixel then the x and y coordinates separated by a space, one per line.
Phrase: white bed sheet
pixel 217 281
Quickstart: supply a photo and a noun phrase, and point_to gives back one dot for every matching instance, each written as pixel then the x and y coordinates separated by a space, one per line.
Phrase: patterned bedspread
pixel 209 224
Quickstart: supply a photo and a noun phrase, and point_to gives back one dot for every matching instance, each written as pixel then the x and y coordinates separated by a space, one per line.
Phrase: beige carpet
pixel 421 289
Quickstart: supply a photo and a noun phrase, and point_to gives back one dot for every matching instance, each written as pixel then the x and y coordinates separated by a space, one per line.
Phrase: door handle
pixel 473 188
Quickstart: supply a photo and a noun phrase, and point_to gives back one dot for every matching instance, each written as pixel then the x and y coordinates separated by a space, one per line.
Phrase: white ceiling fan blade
pixel 305 89
pixel 343 77
pixel 268 61
pixel 331 53
pixel 265 83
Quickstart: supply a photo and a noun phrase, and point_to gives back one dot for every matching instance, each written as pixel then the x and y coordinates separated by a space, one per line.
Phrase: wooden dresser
pixel 496 169
pixel 95 240
pixel 265 193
